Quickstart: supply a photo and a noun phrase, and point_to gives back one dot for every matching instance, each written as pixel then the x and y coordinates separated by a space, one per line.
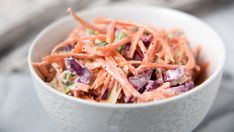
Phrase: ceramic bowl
pixel 181 113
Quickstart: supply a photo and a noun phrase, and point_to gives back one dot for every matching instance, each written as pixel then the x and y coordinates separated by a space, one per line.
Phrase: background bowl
pixel 181 113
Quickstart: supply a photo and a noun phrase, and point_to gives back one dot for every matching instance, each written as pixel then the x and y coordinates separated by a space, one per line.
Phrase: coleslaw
pixel 119 61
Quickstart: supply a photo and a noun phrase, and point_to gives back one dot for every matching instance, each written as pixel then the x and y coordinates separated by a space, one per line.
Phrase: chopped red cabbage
pixel 139 81
pixel 189 84
pixel 179 89
pixel 138 55
pixel 67 48
pixel 147 40
pixel 174 74
pixel 84 75
pixel 183 88
pixel 104 95
pixel 153 84
pixel 127 47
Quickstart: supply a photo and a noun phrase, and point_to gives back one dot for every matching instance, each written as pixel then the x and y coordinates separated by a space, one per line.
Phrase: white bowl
pixel 181 113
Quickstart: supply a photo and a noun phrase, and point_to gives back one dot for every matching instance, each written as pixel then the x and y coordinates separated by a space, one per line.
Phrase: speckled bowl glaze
pixel 181 113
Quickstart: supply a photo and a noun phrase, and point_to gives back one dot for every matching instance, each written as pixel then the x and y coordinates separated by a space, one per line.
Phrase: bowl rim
pixel 198 88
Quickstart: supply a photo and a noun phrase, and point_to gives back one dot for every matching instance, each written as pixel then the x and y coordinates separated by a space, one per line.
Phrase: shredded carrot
pixel 129 66
pixel 115 92
pixel 191 61
pixel 58 70
pixel 134 42
pixel 144 51
pixel 111 32
pixel 107 80
pixel 99 79
pixel 93 65
pixel 120 59
pixel 56 57
pixel 44 71
pixel 78 47
pixel 92 51
pixel 81 87
pixel 167 49
pixel 101 37
pixel 147 66
pixel 197 52
pixel 152 50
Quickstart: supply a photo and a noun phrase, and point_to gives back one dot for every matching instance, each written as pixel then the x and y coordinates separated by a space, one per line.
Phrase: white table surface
pixel 21 111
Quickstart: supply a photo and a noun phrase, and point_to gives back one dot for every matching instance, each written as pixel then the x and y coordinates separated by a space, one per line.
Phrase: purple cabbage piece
pixel 139 81
pixel 127 47
pixel 153 84
pixel 189 85
pixel 138 55
pixel 84 75
pixel 104 95
pixel 174 74
pixel 128 99
pixel 67 48
pixel 147 40
pixel 179 89
pixel 183 88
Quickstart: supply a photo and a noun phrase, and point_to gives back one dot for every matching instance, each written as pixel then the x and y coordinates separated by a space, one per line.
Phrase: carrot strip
pixel 144 51
pixel 197 52
pixel 81 87
pixel 152 49
pixel 134 42
pixel 38 64
pixel 120 59
pixel 56 57
pixel 114 93
pixel 61 64
pixel 58 70
pixel 111 85
pixel 111 32
pixel 191 61
pixel 134 62
pixel 167 49
pixel 83 22
pixel 44 71
pixel 99 79
pixel 93 65
pixel 78 47
pixel 92 51
pixel 107 80
pixel 147 66
pixel 101 37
